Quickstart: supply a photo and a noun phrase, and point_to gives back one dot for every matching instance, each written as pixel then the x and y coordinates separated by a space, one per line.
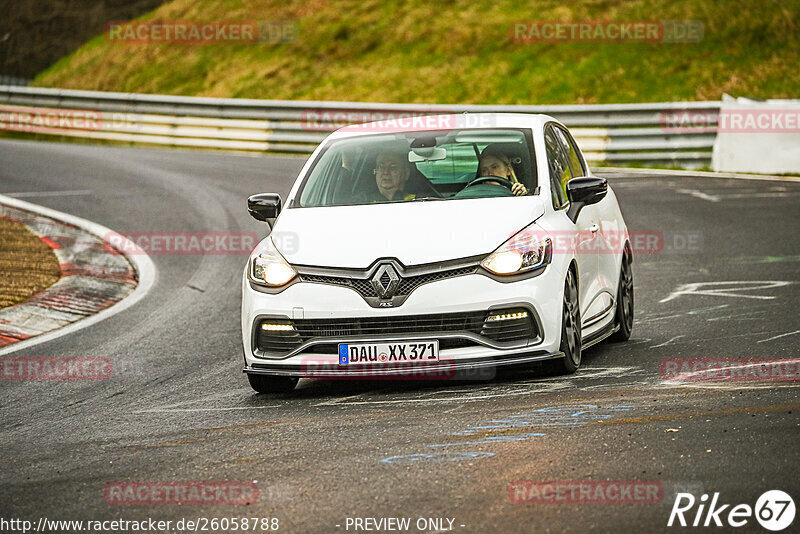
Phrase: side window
pixel 568 143
pixel 558 164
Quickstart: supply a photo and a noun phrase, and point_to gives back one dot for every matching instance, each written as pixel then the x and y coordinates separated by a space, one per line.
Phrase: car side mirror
pixel 264 207
pixel 583 192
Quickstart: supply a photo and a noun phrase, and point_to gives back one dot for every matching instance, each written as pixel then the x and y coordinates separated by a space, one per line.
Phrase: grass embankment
pixel 27 264
pixel 458 52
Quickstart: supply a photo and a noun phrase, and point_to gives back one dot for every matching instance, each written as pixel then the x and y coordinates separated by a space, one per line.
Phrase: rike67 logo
pixel 774 510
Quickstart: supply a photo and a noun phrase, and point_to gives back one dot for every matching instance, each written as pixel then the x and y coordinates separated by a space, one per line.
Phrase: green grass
pixel 455 52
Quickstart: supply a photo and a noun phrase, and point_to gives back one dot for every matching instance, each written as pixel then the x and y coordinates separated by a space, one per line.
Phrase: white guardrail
pixel 607 133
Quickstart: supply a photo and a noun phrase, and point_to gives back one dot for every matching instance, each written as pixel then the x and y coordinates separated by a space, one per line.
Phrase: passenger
pixel 392 170
pixel 494 162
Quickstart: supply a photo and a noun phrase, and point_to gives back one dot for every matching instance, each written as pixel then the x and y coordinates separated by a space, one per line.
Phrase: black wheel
pixel 272 384
pixel 624 314
pixel 570 329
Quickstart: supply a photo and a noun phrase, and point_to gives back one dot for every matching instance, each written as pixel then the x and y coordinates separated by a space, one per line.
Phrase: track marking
pixel 436 457
pixel 25 194
pixel 667 342
pixel 698 174
pixel 494 391
pixel 699 194
pixel 769 259
pixel 706 288
pixel 169 410
pixel 778 336
pixel 656 317
pixel 145 269
pixel 684 377
pixel 178 407
pixel 693 415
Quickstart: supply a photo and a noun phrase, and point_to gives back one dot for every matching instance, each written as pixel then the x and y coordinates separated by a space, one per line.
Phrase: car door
pixel 585 255
pixel 604 230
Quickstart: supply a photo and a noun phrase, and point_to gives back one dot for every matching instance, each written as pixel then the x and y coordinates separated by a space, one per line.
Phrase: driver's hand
pixel 519 189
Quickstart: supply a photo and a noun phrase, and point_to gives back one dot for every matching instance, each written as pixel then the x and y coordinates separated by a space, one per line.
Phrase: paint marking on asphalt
pixel 655 418
pixel 511 428
pixel 768 259
pixel 692 415
pixel 436 457
pixel 491 392
pixel 489 440
pixel 657 317
pixel 759 195
pixel 667 342
pixel 687 377
pixel 27 194
pixel 699 194
pixel 334 402
pixel 779 336
pixel 730 386
pixel 712 289
pixel 696 174
pixel 170 410
pixel 748 314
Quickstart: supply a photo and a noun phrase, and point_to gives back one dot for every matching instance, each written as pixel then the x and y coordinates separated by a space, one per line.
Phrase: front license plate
pixel 380 353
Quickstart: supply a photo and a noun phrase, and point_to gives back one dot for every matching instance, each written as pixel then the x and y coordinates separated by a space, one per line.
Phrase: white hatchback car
pixel 432 248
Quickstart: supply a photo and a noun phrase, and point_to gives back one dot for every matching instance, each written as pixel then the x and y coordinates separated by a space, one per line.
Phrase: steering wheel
pixel 505 182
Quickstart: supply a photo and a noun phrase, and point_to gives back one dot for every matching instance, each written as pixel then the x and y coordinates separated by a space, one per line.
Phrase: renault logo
pixel 385 281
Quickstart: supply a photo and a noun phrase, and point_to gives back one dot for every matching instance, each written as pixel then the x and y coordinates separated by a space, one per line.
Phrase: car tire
pixel 272 384
pixel 570 329
pixel 624 313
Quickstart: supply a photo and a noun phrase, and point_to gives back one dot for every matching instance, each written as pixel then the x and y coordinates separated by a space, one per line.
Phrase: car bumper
pixel 541 295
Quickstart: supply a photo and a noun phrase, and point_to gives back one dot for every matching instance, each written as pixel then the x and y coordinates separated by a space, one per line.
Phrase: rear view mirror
pixel 264 206
pixel 426 154
pixel 583 192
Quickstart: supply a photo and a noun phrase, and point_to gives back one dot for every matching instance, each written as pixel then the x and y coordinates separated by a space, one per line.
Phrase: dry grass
pixel 27 264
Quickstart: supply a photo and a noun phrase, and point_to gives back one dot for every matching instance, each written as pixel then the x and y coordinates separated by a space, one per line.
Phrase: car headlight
pixel 525 251
pixel 268 268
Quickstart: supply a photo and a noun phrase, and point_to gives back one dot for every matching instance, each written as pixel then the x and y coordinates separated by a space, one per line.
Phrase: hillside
pixel 458 52
pixel 33 35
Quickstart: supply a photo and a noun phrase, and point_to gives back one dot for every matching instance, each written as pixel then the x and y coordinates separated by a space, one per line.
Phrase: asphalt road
pixel 177 407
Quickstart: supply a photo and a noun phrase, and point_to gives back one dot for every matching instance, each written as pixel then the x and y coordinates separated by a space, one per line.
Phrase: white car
pixel 441 245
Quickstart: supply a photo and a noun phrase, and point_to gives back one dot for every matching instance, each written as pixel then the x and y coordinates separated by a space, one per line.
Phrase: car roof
pixel 409 122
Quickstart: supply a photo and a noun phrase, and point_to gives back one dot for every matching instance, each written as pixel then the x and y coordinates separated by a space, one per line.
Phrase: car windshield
pixel 421 166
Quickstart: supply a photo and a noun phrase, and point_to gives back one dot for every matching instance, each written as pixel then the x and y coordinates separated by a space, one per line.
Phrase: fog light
pixel 274 327
pixel 507 316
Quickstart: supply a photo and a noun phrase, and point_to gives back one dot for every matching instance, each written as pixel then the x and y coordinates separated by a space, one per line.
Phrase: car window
pixel 568 145
pixel 407 166
pixel 461 165
pixel 560 172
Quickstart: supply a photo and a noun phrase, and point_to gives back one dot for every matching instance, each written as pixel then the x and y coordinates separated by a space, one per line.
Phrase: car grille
pixel 335 330
pixel 407 284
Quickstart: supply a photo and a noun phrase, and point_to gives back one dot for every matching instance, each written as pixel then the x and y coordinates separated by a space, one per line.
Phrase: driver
pixel 494 162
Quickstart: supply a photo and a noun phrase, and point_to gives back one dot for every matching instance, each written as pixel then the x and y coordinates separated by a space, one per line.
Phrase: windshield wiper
pixel 425 199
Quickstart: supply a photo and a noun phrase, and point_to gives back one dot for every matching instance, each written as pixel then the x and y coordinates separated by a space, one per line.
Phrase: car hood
pixel 413 232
